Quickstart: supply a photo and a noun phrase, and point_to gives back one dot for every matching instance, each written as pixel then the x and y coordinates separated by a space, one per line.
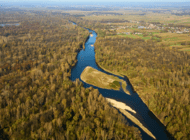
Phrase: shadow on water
pixel 146 117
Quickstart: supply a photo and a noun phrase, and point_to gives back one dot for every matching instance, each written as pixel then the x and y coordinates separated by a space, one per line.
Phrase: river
pixel 86 57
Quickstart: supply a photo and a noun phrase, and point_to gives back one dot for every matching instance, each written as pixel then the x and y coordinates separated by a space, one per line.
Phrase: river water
pixel 86 57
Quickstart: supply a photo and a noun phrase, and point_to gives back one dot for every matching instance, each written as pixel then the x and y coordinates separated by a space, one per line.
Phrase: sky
pixel 34 3
pixel 78 1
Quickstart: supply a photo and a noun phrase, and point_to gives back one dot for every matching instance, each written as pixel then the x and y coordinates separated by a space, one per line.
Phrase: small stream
pixel 86 57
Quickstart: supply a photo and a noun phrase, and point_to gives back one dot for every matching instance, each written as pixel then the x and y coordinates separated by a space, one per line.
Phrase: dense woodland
pixel 161 77
pixel 37 98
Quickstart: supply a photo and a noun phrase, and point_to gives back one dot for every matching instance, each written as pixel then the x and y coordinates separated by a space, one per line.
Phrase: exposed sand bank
pixel 120 105
pixel 122 108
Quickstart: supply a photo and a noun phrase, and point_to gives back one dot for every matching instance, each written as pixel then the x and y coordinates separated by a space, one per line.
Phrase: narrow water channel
pixel 86 57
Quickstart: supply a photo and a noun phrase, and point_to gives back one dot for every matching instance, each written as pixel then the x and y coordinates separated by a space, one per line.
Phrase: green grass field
pixel 135 36
pixel 173 40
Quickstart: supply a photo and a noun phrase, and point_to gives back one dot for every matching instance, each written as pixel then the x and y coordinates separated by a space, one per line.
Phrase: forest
pixel 160 76
pixel 37 98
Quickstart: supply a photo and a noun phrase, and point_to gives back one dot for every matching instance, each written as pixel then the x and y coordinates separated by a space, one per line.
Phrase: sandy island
pixel 102 80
